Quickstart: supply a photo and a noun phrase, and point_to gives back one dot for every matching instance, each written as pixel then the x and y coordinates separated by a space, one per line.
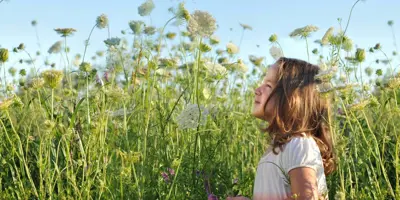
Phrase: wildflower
pixel 256 60
pixel 116 94
pixel 359 105
pixel 175 163
pixel 102 21
pixel 33 23
pixel 390 22
pixel 171 171
pixel 303 31
pixel 55 48
pixel 360 55
pixel 347 44
pixel 171 35
pixel 222 60
pixel 273 38
pixel 182 12
pixel 112 41
pixel 379 72
pixel 52 77
pixel 206 93
pixel 327 35
pixel 377 46
pixel 65 32
pixel 12 71
pixel 37 83
pixel 3 55
pixel 85 67
pixel 136 26
pixel 6 103
pixel 201 24
pixel 22 72
pixel 368 71
pixel 48 125
pixel 394 83
pixel 315 51
pixel 326 75
pixel 21 46
pixel 241 66
pixel 205 47
pixel 275 52
pixel 165 176
pixel 219 51
pixel 232 48
pixel 146 8
pixel 215 69
pixel 245 26
pixel 149 30
pixel 214 40
pixel 192 116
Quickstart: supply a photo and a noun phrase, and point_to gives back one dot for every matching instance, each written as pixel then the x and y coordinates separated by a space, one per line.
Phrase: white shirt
pixel 271 181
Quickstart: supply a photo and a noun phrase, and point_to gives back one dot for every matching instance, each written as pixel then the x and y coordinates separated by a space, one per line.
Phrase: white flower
pixel 241 66
pixel 206 93
pixel 325 38
pixel 275 52
pixel 112 41
pixel 146 8
pixel 202 24
pixel 303 31
pixel 102 21
pixel 232 48
pixel 215 69
pixel 192 116
pixel 55 48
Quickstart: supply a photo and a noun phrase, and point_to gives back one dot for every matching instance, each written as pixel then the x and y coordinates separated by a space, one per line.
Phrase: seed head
pixel 390 22
pixel 146 8
pixel 3 55
pixel 377 46
pixel 232 48
pixel 273 38
pixel 201 24
pixel 52 77
pixel 102 21
pixel 33 23
pixel 37 83
pixel 205 47
pixel 65 32
pixel 190 117
pixel 182 12
pixel 6 103
pixel 136 26
pixel 21 46
pixel 85 67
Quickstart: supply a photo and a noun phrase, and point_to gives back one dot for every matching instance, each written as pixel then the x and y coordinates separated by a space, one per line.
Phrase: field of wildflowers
pixel 171 120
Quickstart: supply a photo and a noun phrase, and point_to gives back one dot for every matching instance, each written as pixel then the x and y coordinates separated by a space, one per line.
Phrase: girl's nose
pixel 257 91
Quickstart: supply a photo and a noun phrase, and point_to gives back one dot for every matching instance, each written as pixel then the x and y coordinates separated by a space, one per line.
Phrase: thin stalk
pixel 87 43
pixel 308 53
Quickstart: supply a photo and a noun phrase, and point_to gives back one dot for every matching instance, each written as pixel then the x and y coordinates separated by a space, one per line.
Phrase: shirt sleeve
pixel 301 152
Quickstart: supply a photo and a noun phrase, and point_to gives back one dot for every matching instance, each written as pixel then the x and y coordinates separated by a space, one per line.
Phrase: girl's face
pixel 262 93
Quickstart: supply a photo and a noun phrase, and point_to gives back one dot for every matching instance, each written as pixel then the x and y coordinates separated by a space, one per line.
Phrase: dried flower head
pixel 52 77
pixel 3 55
pixel 303 32
pixel 232 48
pixel 55 48
pixel 146 8
pixel 275 52
pixel 65 32
pixel 394 83
pixel 192 116
pixel 102 21
pixel 201 24
pixel 136 26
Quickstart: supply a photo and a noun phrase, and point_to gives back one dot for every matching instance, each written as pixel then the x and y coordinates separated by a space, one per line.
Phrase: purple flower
pixel 212 197
pixel 165 177
pixel 171 171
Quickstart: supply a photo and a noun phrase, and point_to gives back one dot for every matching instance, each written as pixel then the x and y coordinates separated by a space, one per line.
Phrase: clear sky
pixel 367 27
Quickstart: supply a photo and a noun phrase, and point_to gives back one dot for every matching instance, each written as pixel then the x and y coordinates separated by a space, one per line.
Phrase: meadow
pixel 167 116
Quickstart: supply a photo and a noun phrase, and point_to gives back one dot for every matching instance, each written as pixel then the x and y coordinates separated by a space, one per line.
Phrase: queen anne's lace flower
pixel 202 24
pixel 55 48
pixel 189 117
pixel 232 48
pixel 146 8
pixel 215 69
pixel 303 31
pixel 102 21
pixel 275 52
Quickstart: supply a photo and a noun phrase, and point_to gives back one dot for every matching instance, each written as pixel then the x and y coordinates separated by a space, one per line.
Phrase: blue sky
pixel 367 27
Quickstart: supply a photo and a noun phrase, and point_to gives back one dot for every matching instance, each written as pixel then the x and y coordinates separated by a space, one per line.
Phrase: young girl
pixel 301 154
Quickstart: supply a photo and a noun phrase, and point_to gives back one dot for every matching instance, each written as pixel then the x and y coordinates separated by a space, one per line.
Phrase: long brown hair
pixel 300 108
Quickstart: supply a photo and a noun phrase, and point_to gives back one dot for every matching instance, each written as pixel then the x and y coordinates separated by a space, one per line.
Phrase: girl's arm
pixel 303 182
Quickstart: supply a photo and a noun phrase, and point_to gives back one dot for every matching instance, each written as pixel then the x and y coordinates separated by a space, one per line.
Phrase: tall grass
pixel 168 117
